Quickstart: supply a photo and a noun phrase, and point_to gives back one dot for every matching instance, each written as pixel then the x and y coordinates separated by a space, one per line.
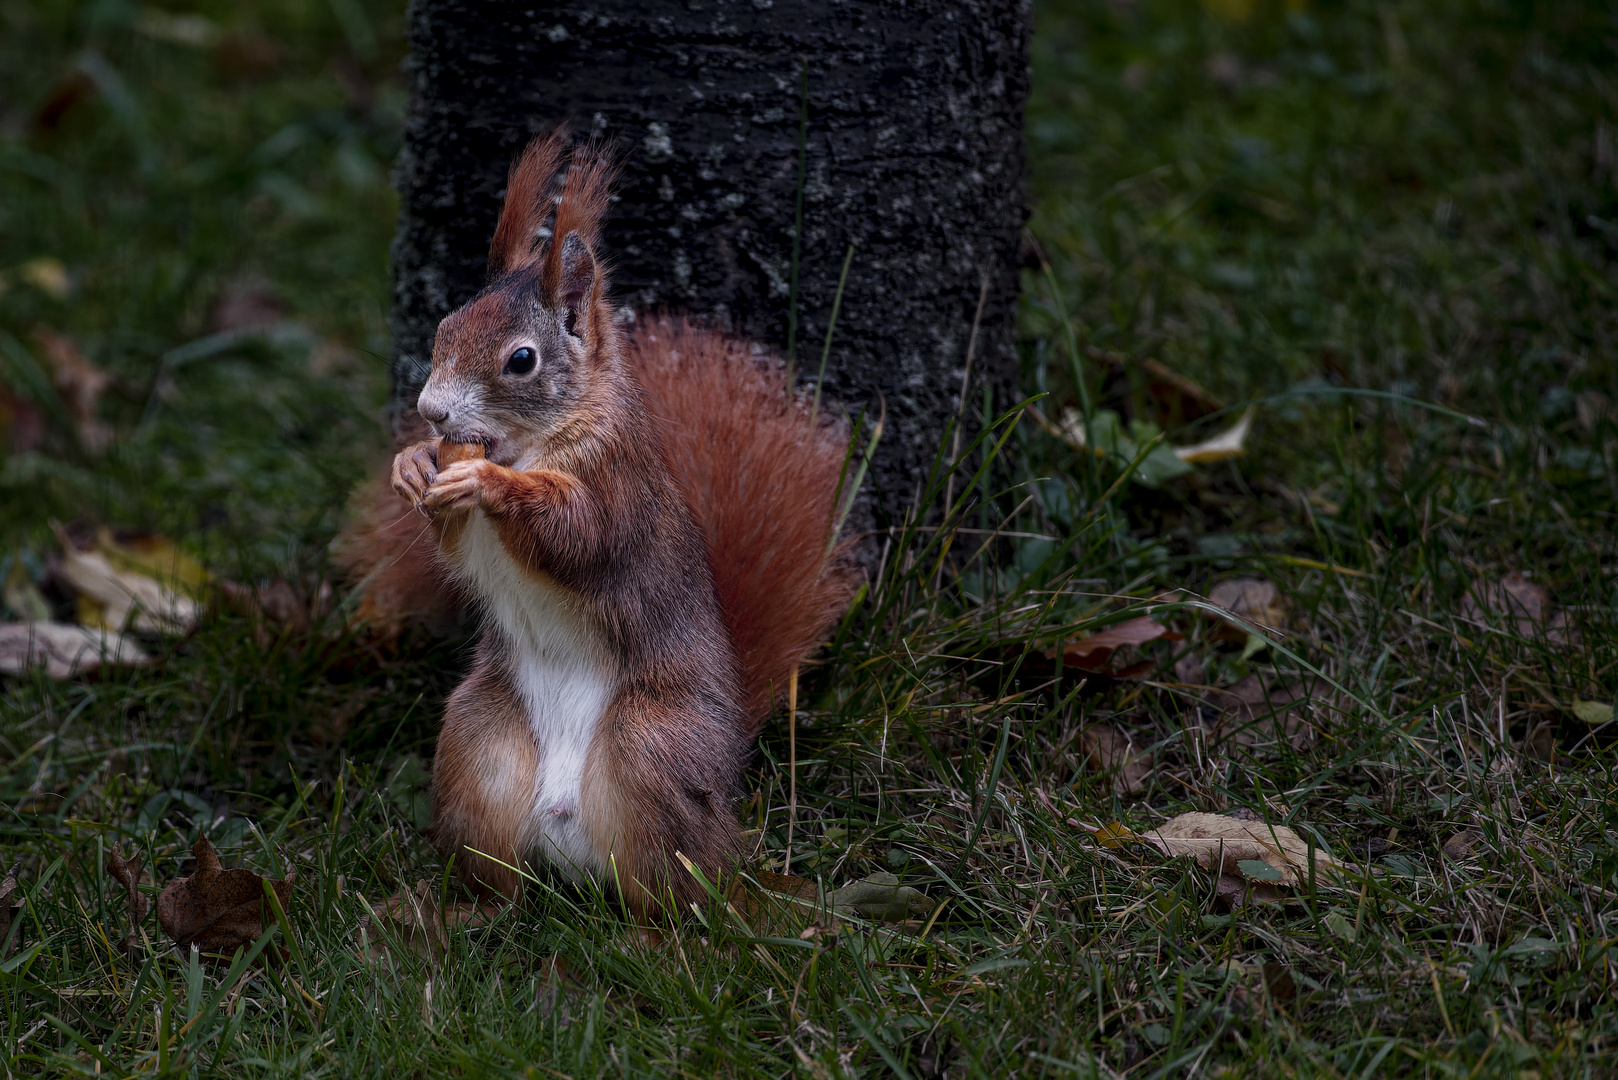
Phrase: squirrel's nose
pixel 431 411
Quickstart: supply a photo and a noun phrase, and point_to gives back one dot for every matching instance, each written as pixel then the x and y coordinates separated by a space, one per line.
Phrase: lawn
pixel 1385 233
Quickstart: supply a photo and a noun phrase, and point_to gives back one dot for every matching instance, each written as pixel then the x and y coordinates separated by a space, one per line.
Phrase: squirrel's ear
pixel 578 276
pixel 526 206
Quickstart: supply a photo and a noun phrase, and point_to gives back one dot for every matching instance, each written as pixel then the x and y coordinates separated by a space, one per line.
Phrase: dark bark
pixel 915 155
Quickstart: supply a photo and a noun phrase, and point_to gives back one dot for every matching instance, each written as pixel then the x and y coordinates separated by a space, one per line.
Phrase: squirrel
pixel 644 518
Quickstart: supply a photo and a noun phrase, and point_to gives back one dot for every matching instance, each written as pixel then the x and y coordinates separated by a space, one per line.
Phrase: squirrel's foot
pixel 414 470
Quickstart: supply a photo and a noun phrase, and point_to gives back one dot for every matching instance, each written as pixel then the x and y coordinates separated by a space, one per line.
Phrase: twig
pixel 792 762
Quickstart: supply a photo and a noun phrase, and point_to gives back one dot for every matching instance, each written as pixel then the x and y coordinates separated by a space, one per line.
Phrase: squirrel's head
pixel 527 357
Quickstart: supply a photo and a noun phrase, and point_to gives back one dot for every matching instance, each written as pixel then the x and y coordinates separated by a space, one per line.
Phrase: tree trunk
pixel 914 156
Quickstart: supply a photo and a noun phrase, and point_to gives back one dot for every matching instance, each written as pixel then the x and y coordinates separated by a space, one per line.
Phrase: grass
pixel 1348 214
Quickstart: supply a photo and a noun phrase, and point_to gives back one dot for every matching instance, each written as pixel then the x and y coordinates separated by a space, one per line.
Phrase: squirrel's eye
pixel 522 361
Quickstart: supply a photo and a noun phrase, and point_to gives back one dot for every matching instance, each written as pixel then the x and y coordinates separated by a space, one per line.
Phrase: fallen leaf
pixel 1279 983
pixel 767 902
pixel 880 897
pixel 22 425
pixel 1255 599
pixel 80 383
pixel 215 909
pixel 64 650
pixel 248 303
pixel 1232 891
pixel 1223 843
pixel 1517 604
pixel 1461 846
pixel 127 874
pixel 1255 716
pixel 196 31
pixel 1114 835
pixel 1109 750
pixel 1593 712
pixel 1123 444
pixel 278 602
pixel 414 922
pixel 153 556
pixel 1190 670
pixel 10 904
pixel 117 599
pixel 1539 741
pixel 47 274
pixel 1232 442
pixel 556 979
pixel 1094 652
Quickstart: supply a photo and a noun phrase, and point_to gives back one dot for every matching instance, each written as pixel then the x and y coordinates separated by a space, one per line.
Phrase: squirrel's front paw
pixel 414 469
pixel 462 486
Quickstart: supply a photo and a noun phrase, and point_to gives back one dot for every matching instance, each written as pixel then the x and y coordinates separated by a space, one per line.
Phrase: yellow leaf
pixel 155 557
pixel 1114 835
pixel 1232 442
pixel 1593 712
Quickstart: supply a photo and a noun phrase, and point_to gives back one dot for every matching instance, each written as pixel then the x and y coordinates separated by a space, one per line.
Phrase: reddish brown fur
pixel 761 476
pixel 483 776
pixel 675 494
pixel 387 549
pixel 526 187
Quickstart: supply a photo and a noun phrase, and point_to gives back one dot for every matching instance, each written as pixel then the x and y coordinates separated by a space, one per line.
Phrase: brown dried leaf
pixel 1462 845
pixel 1254 716
pixel 1539 741
pixel 9 906
pixel 1517 604
pixel 1222 843
pixel 278 602
pixel 1094 652
pixel 127 874
pixel 1279 982
pixel 22 425
pixel 215 909
pixel 1233 891
pixel 80 383
pixel 412 921
pixel 1108 749
pixel 1254 598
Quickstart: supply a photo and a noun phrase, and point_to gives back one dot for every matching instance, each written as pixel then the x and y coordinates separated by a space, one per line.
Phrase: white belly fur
pixel 564 674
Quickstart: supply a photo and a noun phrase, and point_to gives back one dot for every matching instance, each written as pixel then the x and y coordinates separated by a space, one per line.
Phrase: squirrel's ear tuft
pixel 578 273
pixel 527 204
pixel 579 210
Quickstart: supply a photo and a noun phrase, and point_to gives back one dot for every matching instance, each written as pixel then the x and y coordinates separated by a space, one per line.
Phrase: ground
pixel 1389 230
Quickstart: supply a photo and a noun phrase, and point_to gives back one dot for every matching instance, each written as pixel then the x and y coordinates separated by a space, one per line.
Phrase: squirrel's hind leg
pixel 484 774
pixel 659 785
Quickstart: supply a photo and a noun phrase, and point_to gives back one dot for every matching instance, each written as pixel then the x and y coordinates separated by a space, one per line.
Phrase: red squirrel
pixel 647 532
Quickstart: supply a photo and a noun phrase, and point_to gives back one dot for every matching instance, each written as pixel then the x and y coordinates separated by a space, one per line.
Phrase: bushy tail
pixel 389 551
pixel 761 477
